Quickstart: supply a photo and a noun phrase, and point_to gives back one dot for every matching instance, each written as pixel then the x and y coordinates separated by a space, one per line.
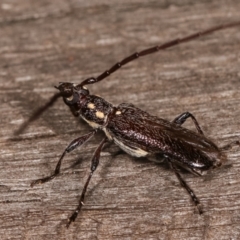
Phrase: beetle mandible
pixel 135 131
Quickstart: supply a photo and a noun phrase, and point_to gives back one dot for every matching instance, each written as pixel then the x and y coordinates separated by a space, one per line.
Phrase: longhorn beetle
pixel 135 131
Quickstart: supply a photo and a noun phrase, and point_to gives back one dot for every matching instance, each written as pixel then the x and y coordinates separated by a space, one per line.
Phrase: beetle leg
pixel 184 116
pixel 185 185
pixel 94 164
pixel 74 144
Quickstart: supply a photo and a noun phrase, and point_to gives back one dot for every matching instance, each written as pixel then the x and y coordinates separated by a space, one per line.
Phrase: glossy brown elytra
pixel 135 131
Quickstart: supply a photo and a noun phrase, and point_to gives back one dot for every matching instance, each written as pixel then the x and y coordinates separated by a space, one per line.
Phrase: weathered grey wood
pixel 46 42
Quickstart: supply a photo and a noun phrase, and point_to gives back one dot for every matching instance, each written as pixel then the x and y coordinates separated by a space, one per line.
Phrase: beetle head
pixel 73 95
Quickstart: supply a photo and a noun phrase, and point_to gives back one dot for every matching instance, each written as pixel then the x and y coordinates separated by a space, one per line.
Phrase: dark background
pixel 49 41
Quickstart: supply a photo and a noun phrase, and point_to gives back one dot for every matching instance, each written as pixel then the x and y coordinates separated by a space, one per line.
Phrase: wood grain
pixel 46 42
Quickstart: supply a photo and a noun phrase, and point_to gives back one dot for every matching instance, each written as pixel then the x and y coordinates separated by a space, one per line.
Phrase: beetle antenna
pixel 157 48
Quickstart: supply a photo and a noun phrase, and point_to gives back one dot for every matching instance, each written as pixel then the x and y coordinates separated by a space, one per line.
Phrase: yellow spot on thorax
pixel 91 106
pixel 99 114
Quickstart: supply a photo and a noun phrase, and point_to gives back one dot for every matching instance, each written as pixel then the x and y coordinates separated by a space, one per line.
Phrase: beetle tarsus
pixel 200 209
pixel 42 180
pixel 72 218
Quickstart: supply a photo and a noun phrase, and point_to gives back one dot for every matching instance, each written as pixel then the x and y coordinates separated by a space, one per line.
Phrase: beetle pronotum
pixel 135 131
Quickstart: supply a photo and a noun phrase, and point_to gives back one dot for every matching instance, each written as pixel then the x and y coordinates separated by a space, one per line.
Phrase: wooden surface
pixel 46 42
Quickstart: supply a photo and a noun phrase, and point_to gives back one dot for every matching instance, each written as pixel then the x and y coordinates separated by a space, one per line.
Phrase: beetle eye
pixel 72 99
pixel 69 98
